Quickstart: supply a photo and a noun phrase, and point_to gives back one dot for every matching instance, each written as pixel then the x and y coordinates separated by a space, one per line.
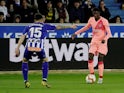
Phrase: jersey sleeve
pixel 25 31
pixel 107 28
pixel 86 27
pixel 50 27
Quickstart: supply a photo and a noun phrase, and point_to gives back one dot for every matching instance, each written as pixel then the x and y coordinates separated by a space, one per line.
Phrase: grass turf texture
pixel 62 83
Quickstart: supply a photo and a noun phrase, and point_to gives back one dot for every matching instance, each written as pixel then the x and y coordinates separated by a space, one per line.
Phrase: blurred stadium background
pixel 68 59
pixel 60 11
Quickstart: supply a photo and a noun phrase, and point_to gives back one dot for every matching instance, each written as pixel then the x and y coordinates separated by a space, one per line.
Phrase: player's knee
pixel 91 55
pixel 24 60
pixel 45 60
pixel 101 57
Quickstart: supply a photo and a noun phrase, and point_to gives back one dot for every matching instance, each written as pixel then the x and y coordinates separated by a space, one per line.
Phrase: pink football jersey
pixel 100 29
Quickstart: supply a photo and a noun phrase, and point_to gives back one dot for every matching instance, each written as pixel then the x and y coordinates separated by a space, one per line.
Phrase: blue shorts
pixel 28 54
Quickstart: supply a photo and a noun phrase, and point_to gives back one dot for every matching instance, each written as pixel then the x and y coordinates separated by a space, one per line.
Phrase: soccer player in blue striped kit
pixel 35 44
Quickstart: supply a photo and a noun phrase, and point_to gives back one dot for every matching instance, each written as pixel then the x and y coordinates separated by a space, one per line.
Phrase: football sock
pixel 45 68
pixel 100 69
pixel 25 70
pixel 90 66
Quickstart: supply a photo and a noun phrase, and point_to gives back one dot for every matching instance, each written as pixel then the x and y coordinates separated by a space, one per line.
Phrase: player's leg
pixel 102 49
pixel 45 68
pixel 90 63
pixel 25 72
pixel 100 67
pixel 92 51
pixel 25 68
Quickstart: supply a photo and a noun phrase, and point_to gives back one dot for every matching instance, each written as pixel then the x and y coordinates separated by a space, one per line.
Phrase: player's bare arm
pixel 64 27
pixel 21 40
pixel 86 27
pixel 73 36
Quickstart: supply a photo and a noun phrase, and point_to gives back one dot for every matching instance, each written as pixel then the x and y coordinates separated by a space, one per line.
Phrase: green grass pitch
pixel 62 83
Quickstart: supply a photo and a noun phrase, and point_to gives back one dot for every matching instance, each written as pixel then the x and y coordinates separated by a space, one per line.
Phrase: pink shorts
pixel 98 48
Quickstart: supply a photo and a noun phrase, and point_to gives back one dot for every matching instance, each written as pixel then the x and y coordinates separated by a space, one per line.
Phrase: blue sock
pixel 25 71
pixel 45 68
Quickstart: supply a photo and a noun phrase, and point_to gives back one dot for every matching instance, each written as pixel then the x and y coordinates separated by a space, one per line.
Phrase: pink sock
pixel 100 69
pixel 90 66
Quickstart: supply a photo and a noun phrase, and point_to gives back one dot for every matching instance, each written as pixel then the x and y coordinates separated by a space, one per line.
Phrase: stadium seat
pixel 113 7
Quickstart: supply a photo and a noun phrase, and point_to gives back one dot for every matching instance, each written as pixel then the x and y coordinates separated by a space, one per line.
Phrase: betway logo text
pixel 75 51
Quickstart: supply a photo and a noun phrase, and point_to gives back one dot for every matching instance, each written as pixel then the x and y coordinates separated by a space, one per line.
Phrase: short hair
pixel 96 9
pixel 17 16
pixel 76 1
pixel 38 16
pixel 1 13
pixel 3 0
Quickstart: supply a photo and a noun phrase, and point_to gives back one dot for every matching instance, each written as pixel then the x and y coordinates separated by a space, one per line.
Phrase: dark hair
pixel 2 0
pixel 100 3
pixel 38 16
pixel 96 9
pixel 17 16
pixel 1 13
pixel 119 17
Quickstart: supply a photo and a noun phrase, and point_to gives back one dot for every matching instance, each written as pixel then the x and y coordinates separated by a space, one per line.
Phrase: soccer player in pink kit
pixel 100 35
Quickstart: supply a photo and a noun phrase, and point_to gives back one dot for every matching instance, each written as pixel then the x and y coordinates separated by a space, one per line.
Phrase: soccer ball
pixel 90 78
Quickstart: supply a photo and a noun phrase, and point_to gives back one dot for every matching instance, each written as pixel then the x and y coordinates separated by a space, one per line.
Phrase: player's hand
pixel 17 52
pixel 74 26
pixel 73 36
pixel 103 41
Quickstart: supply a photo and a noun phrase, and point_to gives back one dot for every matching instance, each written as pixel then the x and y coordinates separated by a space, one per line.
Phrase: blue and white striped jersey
pixel 37 32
